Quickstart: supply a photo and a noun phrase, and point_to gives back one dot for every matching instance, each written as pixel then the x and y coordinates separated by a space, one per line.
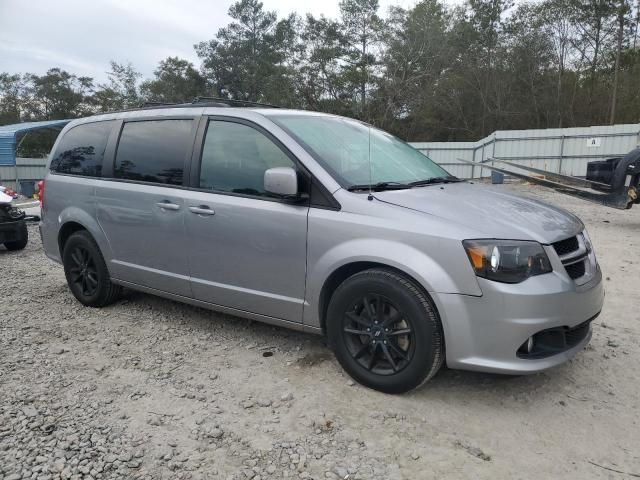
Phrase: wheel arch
pixel 446 272
pixel 68 229
pixel 95 288
pixel 340 274
pixel 74 219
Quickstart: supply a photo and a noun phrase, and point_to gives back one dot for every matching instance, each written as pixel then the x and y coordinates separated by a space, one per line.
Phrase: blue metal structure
pixel 8 134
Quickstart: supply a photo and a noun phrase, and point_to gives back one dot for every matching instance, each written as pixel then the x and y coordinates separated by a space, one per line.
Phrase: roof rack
pixel 232 102
pixel 196 102
pixel 156 104
pixel 212 102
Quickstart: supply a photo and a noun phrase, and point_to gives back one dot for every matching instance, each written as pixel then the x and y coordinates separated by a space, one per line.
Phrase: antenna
pixel 370 197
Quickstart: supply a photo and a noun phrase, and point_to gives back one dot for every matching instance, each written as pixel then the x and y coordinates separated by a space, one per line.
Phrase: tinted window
pixel 153 151
pixel 81 150
pixel 235 157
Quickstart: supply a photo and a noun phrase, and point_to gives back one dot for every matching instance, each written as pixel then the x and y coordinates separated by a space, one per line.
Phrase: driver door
pixel 246 249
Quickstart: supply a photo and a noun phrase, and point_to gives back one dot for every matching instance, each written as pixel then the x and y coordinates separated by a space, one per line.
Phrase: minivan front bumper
pixel 484 333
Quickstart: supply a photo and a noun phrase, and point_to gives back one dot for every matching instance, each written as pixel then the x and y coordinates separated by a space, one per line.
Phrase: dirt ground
pixel 149 388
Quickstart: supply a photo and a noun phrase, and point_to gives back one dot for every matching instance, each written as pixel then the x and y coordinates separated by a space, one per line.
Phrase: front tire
pixel 385 331
pixel 22 241
pixel 86 271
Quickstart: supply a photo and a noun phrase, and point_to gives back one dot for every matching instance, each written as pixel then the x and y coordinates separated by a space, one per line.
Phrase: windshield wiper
pixel 434 180
pixel 379 187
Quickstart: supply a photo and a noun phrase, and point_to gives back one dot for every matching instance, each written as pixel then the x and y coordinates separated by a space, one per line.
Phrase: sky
pixel 82 36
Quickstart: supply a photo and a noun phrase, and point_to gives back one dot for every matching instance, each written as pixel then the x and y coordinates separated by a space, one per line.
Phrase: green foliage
pixel 122 90
pixel 428 72
pixel 243 59
pixel 361 30
pixel 321 84
pixel 11 93
pixel 57 94
pixel 175 81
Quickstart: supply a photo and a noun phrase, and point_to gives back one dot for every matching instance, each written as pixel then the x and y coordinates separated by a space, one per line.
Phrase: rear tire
pixel 21 243
pixel 385 331
pixel 86 271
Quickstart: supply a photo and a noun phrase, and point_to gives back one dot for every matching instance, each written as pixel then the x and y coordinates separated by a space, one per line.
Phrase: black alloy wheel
pixel 385 330
pixel 83 272
pixel 379 335
pixel 86 271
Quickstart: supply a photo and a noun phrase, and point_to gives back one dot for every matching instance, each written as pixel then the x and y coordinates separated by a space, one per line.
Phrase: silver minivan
pixel 323 224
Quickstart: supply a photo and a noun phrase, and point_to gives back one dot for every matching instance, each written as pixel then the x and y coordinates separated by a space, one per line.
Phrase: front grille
pixel 576 270
pixel 573 254
pixel 566 246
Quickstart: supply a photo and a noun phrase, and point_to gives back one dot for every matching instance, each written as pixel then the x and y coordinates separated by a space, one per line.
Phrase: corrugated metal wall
pixel 7 148
pixel 26 169
pixel 563 150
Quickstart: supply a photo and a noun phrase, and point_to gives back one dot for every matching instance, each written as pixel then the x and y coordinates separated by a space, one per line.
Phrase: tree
pixel 361 28
pixel 428 72
pixel 595 20
pixel 529 71
pixel 122 90
pixel 484 30
pixel 281 87
pixel 623 11
pixel 321 85
pixel 244 55
pixel 57 95
pixel 11 91
pixel 415 62
pixel 176 80
pixel 554 21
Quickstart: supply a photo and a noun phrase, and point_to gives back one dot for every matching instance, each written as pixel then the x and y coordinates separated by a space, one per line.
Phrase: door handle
pixel 166 205
pixel 202 210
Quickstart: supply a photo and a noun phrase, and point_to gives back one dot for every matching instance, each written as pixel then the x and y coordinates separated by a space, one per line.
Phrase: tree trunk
pixel 363 83
pixel 635 27
pixel 614 94
pixel 594 64
pixel 559 95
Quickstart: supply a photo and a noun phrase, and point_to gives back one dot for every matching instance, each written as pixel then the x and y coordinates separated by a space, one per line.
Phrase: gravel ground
pixel 149 388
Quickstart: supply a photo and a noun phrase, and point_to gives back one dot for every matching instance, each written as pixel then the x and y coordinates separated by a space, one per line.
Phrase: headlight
pixel 587 241
pixel 507 261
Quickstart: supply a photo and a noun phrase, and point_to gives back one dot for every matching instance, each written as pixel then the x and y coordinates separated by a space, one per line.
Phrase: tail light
pixel 41 192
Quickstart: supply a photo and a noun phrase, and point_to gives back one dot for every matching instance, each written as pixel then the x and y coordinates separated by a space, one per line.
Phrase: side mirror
pixel 281 181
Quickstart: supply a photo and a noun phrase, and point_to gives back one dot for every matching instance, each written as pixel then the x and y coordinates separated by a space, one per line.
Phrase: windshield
pixel 356 154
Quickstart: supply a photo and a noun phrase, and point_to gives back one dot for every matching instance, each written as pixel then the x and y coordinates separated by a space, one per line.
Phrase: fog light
pixel 529 344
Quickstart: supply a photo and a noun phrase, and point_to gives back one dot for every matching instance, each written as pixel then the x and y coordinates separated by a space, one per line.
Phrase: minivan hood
pixel 492 212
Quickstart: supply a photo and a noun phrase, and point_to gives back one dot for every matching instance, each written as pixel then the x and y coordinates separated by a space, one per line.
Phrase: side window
pixel 235 157
pixel 153 151
pixel 81 150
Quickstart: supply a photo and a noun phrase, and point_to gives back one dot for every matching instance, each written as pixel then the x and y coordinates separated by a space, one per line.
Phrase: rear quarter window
pixel 153 151
pixel 81 150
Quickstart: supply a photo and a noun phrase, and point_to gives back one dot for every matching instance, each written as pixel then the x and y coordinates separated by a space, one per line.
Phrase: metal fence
pixel 561 150
pixel 26 171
